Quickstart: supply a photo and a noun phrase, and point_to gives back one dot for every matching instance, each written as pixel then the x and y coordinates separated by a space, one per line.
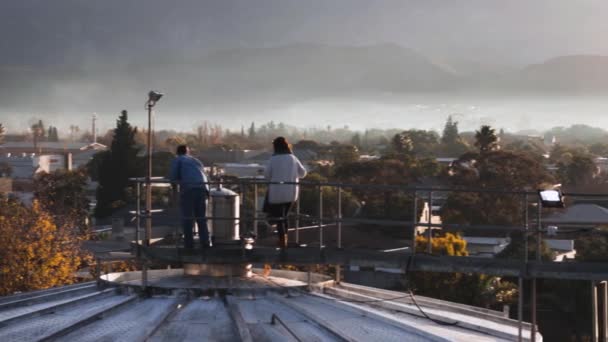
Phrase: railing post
pixel 604 327
pixel 339 224
pixel 415 222
pixel 138 219
pixel 594 312
pixel 429 247
pixel 255 209
pixel 539 208
pixel 320 216
pixel 520 299
pixel 298 221
pixel 339 216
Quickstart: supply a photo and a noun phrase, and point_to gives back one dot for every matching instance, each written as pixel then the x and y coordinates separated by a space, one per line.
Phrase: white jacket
pixel 283 168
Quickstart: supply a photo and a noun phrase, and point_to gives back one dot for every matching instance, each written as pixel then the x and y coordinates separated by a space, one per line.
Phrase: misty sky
pixel 59 34
pixel 520 31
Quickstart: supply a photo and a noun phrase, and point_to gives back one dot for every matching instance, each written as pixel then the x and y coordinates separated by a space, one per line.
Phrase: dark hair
pixel 181 150
pixel 281 146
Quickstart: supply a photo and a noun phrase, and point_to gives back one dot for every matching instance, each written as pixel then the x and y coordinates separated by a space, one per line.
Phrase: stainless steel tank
pixel 224 213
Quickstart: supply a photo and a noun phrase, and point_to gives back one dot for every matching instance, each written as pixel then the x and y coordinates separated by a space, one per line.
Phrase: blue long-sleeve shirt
pixel 189 172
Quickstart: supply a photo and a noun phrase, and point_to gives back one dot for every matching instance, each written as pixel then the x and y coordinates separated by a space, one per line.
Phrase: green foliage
pixel 599 149
pixel 491 170
pixel 116 167
pixel 578 169
pixel 515 249
pixel 486 139
pixel 415 142
pixel 578 134
pixel 344 154
pixel 309 199
pixel 52 134
pixel 452 145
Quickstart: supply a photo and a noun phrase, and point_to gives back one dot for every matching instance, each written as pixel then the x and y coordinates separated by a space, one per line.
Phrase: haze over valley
pixel 338 63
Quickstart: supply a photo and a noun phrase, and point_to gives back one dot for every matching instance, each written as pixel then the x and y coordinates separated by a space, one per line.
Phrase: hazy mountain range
pixel 296 71
pixel 268 83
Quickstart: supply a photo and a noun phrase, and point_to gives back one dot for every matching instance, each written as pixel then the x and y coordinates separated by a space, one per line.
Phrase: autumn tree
pixel 472 289
pixel 35 253
pixel 62 194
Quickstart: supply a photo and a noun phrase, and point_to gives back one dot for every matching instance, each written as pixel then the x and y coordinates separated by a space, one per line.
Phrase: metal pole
pixel 298 221
pixel 429 247
pixel 594 312
pixel 320 217
pixel 520 299
pixel 255 209
pixel 604 311
pixel 138 219
pixel 539 208
pixel 415 222
pixel 149 179
pixel 339 216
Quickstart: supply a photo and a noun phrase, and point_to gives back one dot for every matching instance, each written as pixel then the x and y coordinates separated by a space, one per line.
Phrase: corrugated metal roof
pixel 330 312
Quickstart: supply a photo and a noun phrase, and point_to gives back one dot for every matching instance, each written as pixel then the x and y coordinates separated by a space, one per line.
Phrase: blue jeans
pixel 193 203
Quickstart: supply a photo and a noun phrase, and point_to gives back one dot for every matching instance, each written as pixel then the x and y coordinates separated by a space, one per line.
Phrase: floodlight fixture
pixel 153 97
pixel 551 198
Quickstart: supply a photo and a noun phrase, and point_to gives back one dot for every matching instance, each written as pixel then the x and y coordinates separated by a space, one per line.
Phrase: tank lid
pixel 222 192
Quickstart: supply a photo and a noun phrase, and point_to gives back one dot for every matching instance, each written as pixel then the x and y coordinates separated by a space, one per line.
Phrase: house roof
pixel 580 214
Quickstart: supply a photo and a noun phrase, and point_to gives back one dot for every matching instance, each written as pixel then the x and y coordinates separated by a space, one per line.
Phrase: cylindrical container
pixel 224 212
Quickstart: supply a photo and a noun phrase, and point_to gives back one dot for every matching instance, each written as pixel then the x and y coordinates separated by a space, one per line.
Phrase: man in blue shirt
pixel 188 172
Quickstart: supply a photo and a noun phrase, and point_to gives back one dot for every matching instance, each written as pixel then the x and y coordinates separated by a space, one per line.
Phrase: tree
pixel 599 149
pixel 486 139
pixel 52 134
pixel 344 154
pixel 578 170
pixel 251 132
pixel 2 133
pixel 35 253
pixel 450 132
pixel 63 195
pixel 38 132
pixel 356 140
pixel 415 142
pixel 402 144
pixel 451 142
pixel 473 289
pixel 116 167
pixel 493 170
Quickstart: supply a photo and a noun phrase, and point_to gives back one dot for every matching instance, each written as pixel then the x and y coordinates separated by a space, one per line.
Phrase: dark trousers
pixel 278 214
pixel 193 203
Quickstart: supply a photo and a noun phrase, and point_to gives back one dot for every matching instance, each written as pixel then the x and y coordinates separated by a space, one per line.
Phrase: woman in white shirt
pixel 283 166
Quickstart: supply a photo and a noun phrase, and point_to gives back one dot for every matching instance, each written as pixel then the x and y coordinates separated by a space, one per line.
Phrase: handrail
pixel 402 187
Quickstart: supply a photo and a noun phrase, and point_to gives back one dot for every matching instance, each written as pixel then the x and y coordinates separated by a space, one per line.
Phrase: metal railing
pixel 321 221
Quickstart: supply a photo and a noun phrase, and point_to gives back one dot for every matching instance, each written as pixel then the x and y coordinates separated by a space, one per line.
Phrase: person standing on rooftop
pixel 283 166
pixel 189 173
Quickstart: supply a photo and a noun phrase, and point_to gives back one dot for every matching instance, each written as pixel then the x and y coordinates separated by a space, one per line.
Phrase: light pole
pixel 153 97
